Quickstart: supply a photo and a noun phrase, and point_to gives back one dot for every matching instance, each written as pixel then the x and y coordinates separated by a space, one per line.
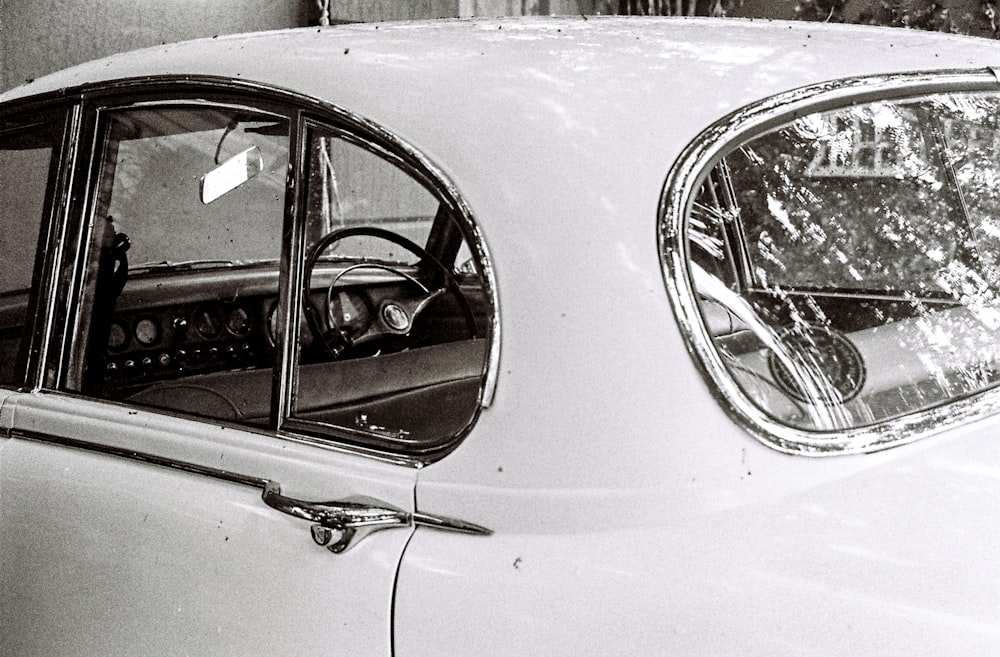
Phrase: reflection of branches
pixel 705 226
pixel 825 11
pixel 917 14
pixel 926 15
pixel 673 7
pixel 855 230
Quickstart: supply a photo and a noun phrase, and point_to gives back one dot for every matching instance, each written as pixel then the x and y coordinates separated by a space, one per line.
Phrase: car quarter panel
pixel 761 554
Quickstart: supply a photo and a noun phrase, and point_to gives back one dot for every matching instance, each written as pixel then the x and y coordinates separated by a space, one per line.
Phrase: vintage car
pixel 572 336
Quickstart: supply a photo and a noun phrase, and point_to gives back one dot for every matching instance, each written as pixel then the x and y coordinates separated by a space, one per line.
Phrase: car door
pixel 126 532
pixel 186 476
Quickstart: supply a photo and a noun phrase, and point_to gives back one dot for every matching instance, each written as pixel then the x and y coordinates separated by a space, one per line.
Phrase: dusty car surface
pixel 504 337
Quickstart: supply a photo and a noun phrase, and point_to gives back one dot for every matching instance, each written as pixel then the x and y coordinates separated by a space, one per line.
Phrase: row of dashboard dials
pixel 208 322
pixel 165 362
pixel 219 322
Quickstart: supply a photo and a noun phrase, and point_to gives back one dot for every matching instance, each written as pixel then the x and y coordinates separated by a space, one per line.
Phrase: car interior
pixel 183 307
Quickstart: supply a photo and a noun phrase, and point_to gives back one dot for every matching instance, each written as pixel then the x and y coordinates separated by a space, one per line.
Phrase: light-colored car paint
pixel 117 556
pixel 630 513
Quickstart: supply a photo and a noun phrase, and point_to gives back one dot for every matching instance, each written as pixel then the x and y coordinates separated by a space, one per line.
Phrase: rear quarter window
pixel 843 270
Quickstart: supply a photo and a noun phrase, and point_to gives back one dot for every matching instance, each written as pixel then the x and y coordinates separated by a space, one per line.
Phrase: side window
pixel 394 350
pixel 183 262
pixel 183 302
pixel 846 263
pixel 28 158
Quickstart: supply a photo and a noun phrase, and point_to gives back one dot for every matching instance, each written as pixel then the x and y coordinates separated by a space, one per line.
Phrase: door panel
pixel 110 554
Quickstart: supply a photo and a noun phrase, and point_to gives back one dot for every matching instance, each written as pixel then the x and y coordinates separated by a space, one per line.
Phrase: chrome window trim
pixel 678 193
pixel 386 147
pixel 96 109
pixel 89 100
pixel 39 328
pixel 56 246
pixel 148 458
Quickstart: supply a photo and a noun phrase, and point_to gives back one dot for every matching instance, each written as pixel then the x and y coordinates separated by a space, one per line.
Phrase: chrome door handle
pixel 352 520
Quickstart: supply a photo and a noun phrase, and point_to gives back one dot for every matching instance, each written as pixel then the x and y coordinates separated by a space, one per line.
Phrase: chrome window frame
pixel 99 111
pixel 51 237
pixel 87 101
pixel 677 197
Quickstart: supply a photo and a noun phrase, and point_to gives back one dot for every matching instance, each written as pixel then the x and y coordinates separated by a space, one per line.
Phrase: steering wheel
pixel 395 316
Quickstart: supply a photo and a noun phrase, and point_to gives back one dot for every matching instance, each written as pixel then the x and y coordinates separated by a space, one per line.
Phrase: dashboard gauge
pixel 305 335
pixel 349 310
pixel 147 331
pixel 238 321
pixel 207 322
pixel 118 336
pixel 272 324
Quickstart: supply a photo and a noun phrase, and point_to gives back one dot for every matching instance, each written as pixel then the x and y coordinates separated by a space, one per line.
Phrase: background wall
pixel 376 10
pixel 41 36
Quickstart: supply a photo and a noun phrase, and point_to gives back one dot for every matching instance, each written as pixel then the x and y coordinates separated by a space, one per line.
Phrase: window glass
pixel 181 299
pixel 183 270
pixel 28 156
pixel 394 349
pixel 161 159
pixel 352 186
pixel 846 264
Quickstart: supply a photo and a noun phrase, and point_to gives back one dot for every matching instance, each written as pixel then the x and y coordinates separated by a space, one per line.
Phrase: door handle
pixel 350 521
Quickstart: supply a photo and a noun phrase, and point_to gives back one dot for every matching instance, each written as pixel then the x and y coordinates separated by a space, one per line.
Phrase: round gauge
pixel 118 336
pixel 207 322
pixel 823 353
pixel 349 311
pixel 305 335
pixel 238 321
pixel 272 324
pixel 147 331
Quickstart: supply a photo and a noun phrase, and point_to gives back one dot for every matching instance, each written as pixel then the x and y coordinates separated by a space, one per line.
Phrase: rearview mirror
pixel 232 173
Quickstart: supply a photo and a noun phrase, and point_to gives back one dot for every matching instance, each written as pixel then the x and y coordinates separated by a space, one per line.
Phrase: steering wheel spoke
pixel 398 316
pixel 395 316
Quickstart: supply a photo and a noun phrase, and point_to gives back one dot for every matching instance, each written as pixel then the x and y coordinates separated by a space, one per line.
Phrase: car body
pixel 640 411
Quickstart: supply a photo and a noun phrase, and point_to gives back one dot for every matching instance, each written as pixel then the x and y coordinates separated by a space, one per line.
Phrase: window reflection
pixel 846 263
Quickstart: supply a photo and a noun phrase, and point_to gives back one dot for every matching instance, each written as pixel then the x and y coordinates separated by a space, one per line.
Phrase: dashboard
pixel 211 335
pixel 179 324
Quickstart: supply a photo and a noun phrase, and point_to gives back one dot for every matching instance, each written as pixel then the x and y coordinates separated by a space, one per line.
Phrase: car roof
pixel 411 75
pixel 577 83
